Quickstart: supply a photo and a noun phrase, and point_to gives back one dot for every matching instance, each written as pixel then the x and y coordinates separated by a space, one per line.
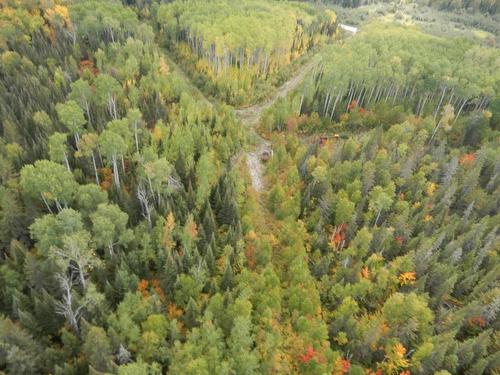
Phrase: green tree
pixel 408 317
pixel 71 115
pixel 76 253
pixel 58 149
pixel 81 92
pixel 107 92
pixel 139 368
pixel 49 181
pixel 380 200
pixel 113 146
pixel 97 349
pixel 19 352
pixel 89 197
pixel 109 226
pixel 88 143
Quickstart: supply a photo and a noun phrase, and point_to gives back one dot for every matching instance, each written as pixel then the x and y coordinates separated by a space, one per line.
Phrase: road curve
pixel 250 117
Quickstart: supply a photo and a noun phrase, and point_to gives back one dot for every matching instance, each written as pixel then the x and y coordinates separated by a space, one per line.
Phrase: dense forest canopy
pixel 345 223
pixel 237 44
pixel 484 6
pixel 401 65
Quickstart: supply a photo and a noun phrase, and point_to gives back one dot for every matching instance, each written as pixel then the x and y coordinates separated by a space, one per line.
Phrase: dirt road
pixel 250 117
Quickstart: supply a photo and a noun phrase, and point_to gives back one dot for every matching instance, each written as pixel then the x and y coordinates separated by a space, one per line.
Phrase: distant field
pixel 481 28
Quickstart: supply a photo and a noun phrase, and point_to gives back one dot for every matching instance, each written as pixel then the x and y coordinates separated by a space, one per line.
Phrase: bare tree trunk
pixel 395 94
pixel 116 174
pixel 82 277
pixel 335 105
pixel 100 155
pixel 435 131
pixel 361 91
pixel 46 203
pixel 66 162
pixel 111 249
pixel 362 98
pixel 65 307
pixel 440 102
pixel 461 108
pixel 87 109
pixel 136 137
pixel 95 168
pixel 412 91
pixel 370 96
pixel 143 199
pixel 423 104
pixel 378 217
pixel 325 106
pixel 451 96
pixel 77 141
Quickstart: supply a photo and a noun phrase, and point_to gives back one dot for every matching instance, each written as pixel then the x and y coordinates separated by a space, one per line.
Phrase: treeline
pixel 398 65
pixel 236 46
pixel 483 6
pixel 402 226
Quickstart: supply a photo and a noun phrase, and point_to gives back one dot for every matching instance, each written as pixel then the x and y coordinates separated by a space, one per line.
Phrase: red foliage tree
pixel 308 355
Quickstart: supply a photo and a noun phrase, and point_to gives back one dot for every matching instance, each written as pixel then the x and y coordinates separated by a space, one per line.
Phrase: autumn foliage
pixel 341 366
pixel 145 287
pixel 477 321
pixel 468 160
pixel 337 239
pixel 308 356
pixel 407 278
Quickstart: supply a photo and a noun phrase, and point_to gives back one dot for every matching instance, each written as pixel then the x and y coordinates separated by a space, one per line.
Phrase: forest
pixel 420 73
pixel 243 187
pixel 480 6
pixel 235 50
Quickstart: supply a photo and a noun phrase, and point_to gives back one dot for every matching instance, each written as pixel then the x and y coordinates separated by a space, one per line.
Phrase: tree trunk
pixel 116 174
pixel 136 137
pixel 82 277
pixel 87 109
pixel 439 104
pixel 95 168
pixel 58 206
pixel 435 131
pixel 335 105
pixel 378 217
pixel 461 108
pixel 77 141
pixel 46 203
pixel 66 162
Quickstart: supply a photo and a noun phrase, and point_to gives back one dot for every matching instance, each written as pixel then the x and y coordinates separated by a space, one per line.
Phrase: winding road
pixel 250 117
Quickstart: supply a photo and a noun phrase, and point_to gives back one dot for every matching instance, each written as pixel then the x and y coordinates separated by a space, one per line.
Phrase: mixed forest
pixel 243 187
pixel 239 51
